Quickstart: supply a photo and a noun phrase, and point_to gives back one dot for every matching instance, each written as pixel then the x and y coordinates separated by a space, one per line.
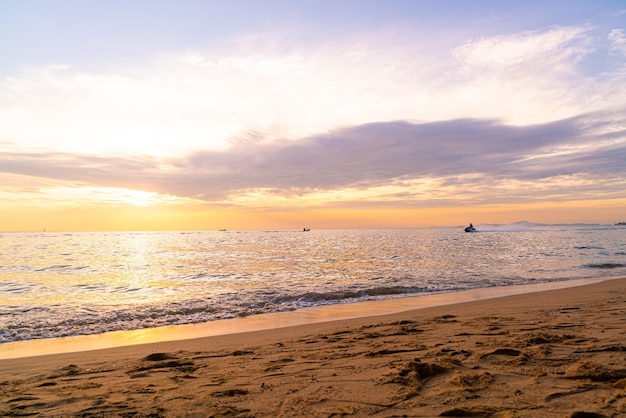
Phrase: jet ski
pixel 470 228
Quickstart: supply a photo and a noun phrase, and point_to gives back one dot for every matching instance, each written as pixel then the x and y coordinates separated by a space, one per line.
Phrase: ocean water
pixel 64 284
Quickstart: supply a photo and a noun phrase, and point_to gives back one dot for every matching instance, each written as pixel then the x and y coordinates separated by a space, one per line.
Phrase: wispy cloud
pixel 554 50
pixel 389 162
pixel 617 41
pixel 211 99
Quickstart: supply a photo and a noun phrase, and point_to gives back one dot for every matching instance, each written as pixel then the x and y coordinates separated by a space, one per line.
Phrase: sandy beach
pixel 557 353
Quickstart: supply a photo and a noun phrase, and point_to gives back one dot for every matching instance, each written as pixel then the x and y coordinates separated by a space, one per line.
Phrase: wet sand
pixel 556 353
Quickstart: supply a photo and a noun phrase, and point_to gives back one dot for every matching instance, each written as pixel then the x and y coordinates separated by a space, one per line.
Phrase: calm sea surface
pixel 62 284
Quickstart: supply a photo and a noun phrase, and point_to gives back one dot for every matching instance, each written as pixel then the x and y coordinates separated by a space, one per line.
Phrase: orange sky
pixel 204 217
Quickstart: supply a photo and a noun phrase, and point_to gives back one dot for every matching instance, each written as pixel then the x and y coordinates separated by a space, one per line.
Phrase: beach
pixel 555 353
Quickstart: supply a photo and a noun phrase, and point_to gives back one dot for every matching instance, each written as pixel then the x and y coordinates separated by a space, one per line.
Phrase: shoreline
pixel 552 353
pixel 269 321
pixel 276 320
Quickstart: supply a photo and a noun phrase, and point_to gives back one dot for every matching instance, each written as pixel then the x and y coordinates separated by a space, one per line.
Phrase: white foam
pixel 270 321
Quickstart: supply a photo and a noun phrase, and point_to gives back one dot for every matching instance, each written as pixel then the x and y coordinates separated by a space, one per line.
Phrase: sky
pixel 276 114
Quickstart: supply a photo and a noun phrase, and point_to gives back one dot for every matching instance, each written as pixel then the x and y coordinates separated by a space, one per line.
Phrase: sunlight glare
pixel 109 195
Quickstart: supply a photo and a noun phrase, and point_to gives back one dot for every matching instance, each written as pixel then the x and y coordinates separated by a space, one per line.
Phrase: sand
pixel 557 353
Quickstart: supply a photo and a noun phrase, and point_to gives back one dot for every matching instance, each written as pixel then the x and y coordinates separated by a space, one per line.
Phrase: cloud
pixel 553 50
pixel 371 155
pixel 387 162
pixel 385 119
pixel 617 41
pixel 214 98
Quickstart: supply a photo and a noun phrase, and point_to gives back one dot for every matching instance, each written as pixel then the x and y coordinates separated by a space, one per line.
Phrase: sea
pixel 79 283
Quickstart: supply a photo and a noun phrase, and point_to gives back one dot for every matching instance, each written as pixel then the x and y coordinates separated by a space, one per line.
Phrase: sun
pixel 106 195
pixel 138 198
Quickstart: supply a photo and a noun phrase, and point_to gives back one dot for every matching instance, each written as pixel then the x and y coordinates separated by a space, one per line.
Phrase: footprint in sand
pixel 161 361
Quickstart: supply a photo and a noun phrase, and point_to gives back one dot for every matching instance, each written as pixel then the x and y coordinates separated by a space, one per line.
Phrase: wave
pixel 605 265
pixel 338 295
pixel 15 288
pixel 319 298
pixel 61 267
pixel 61 321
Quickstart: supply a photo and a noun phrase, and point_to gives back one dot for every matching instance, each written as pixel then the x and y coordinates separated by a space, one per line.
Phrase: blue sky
pixel 318 105
pixel 85 34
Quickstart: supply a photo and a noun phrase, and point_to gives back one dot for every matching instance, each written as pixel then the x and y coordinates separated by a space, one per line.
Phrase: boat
pixel 306 229
pixel 470 228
